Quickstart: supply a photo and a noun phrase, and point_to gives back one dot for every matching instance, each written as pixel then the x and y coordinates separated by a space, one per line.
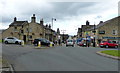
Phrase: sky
pixel 69 15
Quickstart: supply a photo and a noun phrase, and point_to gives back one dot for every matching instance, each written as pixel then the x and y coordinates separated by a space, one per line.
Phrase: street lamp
pixel 52 21
pixel 63 31
pixel 94 36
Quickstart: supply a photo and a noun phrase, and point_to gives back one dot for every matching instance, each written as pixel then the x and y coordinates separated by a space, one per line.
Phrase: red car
pixel 82 44
pixel 108 44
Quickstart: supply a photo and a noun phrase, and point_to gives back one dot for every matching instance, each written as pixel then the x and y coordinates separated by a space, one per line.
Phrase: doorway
pixel 24 38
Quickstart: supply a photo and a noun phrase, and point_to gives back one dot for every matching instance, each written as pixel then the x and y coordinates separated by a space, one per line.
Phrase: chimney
pixel 46 25
pixel 87 22
pixel 58 31
pixel 101 22
pixel 49 26
pixel 41 21
pixel 33 18
pixel 15 19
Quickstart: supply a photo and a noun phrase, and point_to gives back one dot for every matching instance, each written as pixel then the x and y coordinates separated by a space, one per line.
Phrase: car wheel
pixel 116 46
pixel 20 43
pixel 66 45
pixel 16 42
pixel 6 42
pixel 107 46
pixel 72 45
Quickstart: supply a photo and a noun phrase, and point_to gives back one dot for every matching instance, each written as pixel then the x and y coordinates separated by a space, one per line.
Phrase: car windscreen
pixel 103 41
pixel 70 40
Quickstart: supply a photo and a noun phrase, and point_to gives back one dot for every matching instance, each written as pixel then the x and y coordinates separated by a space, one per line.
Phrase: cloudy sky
pixel 70 15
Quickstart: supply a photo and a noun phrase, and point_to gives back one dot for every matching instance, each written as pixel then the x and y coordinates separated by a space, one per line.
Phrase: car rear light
pixel 32 41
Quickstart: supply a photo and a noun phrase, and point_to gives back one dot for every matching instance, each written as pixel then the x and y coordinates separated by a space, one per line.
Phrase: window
pixel 22 26
pixel 114 32
pixel 102 32
pixel 21 31
pixel 30 36
pixel 109 41
pixel 30 29
pixel 15 29
pixel 26 29
pixel 10 38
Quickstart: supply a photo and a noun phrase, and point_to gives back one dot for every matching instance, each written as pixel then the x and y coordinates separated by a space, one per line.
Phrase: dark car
pixel 43 41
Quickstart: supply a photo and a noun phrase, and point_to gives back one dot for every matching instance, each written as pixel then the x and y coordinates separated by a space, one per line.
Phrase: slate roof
pixel 18 23
pixel 101 24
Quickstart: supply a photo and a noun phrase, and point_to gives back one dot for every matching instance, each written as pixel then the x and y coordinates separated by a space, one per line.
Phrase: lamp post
pixel 63 31
pixel 52 21
pixel 94 36
pixel 52 28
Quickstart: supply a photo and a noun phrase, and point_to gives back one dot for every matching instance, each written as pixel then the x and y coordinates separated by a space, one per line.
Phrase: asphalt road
pixel 58 58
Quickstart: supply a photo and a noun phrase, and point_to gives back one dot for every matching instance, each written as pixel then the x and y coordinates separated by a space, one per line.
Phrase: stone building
pixel 85 28
pixel 15 29
pixel 29 31
pixel 64 37
pixel 79 33
pixel 104 31
pixel 108 30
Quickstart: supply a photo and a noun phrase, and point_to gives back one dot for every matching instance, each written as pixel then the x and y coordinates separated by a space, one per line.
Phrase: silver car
pixel 12 40
pixel 70 42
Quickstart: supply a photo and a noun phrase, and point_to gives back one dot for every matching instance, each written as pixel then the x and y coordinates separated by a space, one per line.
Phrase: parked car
pixel 83 44
pixel 52 43
pixel 12 40
pixel 70 42
pixel 43 41
pixel 108 44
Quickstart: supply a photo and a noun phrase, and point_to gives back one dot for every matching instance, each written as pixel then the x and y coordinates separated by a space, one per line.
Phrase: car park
pixel 108 44
pixel 12 40
pixel 70 42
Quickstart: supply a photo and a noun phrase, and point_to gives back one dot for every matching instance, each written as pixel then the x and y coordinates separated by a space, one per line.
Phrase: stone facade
pixel 79 33
pixel 108 30
pixel 29 31
pixel 83 31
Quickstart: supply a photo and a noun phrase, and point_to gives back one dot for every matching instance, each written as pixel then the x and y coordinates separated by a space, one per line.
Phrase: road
pixel 58 58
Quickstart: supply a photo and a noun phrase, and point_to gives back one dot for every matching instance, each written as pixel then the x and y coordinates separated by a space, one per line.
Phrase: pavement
pixel 58 58
pixel 106 55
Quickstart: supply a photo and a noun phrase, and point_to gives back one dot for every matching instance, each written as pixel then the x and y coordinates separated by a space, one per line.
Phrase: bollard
pixel 39 44
pixel 50 44
pixel 22 43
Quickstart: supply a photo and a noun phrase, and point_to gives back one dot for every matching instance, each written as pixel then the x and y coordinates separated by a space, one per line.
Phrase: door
pixel 10 40
pixel 24 38
pixel 110 43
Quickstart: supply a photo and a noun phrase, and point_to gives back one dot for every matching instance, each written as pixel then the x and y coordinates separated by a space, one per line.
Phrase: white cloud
pixel 69 16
